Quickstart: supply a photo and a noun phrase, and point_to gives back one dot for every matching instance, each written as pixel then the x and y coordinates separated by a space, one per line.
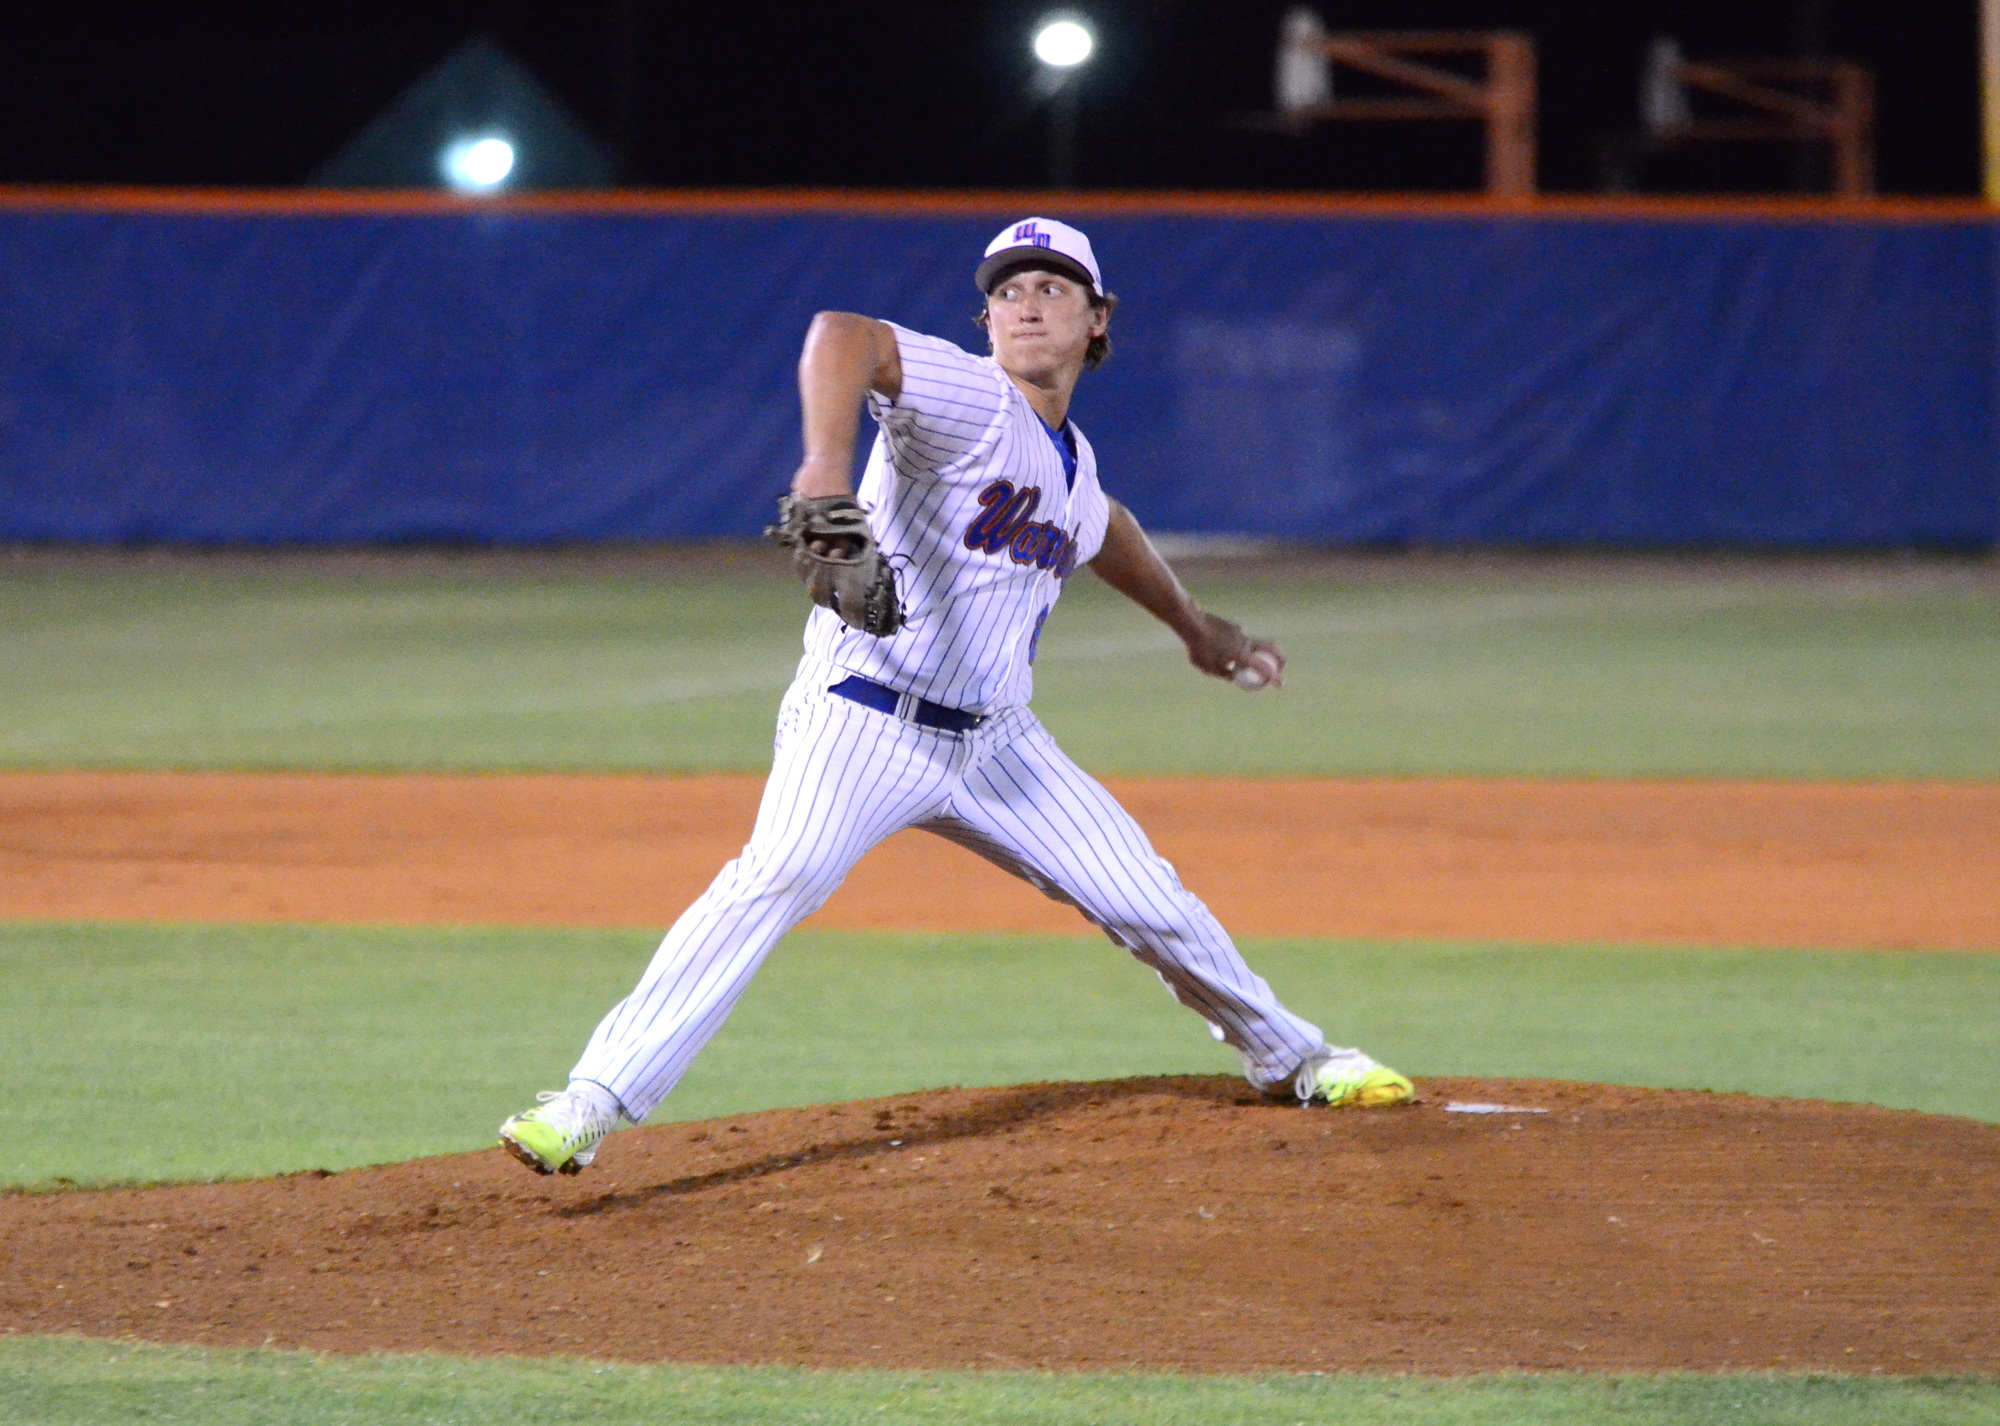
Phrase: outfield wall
pixel 280 370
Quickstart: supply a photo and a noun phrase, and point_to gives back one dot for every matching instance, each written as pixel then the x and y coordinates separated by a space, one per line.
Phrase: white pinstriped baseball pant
pixel 843 778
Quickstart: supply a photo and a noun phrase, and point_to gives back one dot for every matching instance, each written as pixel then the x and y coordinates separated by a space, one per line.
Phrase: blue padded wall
pixel 518 377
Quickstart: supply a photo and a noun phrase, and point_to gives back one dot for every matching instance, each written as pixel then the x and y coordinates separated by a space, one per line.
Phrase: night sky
pixel 897 93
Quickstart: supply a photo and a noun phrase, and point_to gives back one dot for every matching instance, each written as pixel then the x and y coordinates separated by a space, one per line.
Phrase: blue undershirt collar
pixel 1065 442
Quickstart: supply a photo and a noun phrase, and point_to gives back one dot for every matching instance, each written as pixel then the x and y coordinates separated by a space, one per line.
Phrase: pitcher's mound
pixel 1144 1223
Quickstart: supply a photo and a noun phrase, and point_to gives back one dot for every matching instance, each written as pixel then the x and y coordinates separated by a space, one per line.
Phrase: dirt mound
pixel 1144 1223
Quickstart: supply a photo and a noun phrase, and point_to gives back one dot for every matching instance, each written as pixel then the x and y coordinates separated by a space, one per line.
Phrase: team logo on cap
pixel 1046 235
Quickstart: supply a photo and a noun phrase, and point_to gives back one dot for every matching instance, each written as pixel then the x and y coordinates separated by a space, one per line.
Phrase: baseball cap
pixel 1043 240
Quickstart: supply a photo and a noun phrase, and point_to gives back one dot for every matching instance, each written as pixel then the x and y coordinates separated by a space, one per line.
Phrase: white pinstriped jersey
pixel 966 493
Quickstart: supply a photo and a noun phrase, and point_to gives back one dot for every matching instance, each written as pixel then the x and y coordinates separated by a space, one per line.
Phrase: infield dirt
pixel 1160 1223
pixel 1867 865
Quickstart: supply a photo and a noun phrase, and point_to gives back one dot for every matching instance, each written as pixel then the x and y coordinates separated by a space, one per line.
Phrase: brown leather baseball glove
pixel 842 566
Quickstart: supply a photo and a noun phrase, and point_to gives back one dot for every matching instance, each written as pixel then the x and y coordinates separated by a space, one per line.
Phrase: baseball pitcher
pixel 930 585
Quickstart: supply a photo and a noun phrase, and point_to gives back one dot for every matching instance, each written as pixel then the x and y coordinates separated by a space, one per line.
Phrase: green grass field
pixel 1807 672
pixel 66 1382
pixel 140 1053
pixel 198 1052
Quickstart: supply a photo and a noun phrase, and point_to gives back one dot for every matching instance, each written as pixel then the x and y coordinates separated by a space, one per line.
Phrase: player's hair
pixel 1099 350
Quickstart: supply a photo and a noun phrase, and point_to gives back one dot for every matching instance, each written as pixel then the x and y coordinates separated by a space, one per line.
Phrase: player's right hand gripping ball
pixel 839 561
pixel 1255 672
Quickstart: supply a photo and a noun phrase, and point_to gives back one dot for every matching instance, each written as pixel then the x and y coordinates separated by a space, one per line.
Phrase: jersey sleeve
pixel 949 409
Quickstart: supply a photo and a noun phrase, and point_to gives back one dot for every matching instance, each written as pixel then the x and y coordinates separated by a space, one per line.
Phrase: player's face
pixel 1041 323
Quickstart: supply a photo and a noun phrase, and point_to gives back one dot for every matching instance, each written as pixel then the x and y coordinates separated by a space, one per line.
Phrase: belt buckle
pixel 939 717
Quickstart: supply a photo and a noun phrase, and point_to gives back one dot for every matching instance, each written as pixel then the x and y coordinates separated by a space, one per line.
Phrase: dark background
pixel 921 93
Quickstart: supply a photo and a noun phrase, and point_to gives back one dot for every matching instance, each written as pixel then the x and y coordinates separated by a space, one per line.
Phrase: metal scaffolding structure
pixel 1825 101
pixel 1502 98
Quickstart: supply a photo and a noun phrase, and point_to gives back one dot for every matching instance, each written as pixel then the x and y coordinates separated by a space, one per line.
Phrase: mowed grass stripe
pixel 54 1381
pixel 1865 674
pixel 142 1052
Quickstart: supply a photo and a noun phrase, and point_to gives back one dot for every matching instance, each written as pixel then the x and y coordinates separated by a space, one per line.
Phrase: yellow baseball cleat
pixel 1339 1084
pixel 561 1135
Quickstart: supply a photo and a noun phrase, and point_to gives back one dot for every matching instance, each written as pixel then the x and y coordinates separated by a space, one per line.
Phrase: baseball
pixel 1254 672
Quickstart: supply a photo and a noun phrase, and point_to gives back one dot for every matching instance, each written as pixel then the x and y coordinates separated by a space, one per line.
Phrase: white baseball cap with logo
pixel 1045 241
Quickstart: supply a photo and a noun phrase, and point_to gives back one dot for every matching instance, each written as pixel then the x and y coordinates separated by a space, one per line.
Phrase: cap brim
pixel 1028 255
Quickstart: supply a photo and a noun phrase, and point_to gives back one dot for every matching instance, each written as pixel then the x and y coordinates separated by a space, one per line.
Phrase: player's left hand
pixel 842 566
pixel 1221 649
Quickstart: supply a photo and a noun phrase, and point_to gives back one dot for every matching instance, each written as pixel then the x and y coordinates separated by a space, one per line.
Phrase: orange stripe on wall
pixel 989 203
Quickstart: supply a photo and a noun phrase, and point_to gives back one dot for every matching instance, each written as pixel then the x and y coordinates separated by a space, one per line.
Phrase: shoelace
pixel 583 1116
pixel 1306 1082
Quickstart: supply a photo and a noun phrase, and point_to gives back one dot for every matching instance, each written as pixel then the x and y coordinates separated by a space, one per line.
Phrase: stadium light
pixel 477 165
pixel 1063 41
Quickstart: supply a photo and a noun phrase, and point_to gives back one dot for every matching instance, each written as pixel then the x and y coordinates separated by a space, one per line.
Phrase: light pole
pixel 1063 42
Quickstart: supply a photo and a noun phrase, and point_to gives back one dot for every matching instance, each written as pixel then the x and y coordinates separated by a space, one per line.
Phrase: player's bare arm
pixel 846 356
pixel 1129 564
